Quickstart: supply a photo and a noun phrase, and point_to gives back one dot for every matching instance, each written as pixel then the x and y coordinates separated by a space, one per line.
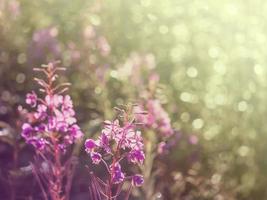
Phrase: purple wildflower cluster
pixel 51 128
pixel 157 118
pixel 54 117
pixel 115 143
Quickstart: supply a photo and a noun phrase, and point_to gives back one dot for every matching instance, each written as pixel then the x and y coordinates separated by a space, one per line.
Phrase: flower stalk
pixel 117 143
pixel 52 132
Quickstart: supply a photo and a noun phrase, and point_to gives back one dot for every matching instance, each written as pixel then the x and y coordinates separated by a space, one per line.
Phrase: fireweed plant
pixel 157 134
pixel 117 142
pixel 52 130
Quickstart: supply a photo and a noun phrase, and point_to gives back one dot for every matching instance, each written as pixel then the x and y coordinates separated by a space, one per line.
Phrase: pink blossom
pixel 136 156
pixel 90 145
pixel 118 175
pixel 96 157
pixel 156 118
pixel 137 180
pixel 161 147
pixel 31 99
pixel 54 114
pixel 117 142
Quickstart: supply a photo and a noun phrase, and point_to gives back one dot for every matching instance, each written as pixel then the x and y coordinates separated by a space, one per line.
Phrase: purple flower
pixel 31 99
pixel 117 175
pixel 54 114
pixel 125 138
pixel 52 131
pixel 104 142
pixel 162 147
pixel 62 126
pixel 136 156
pixel 38 143
pixel 157 118
pixel 70 120
pixel 133 140
pixel 89 145
pixel 41 112
pixel 96 157
pixel 137 180
pixel 117 142
pixel 54 101
pixel 67 102
pixel 75 131
pixel 30 135
pixel 40 128
pixel 27 130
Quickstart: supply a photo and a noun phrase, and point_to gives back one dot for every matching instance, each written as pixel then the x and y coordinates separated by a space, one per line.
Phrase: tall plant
pixel 52 129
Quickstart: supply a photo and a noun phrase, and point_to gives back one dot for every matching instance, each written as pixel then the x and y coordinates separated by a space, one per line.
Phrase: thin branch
pixel 128 192
pixel 39 181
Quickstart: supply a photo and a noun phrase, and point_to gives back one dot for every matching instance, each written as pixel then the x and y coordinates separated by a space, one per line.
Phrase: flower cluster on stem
pixel 158 133
pixel 54 115
pixel 53 129
pixel 116 143
pixel 157 118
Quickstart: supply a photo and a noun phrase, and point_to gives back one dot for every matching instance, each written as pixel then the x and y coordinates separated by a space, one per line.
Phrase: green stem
pixel 150 145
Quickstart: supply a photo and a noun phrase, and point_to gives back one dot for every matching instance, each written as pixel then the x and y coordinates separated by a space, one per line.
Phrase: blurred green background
pixel 211 57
